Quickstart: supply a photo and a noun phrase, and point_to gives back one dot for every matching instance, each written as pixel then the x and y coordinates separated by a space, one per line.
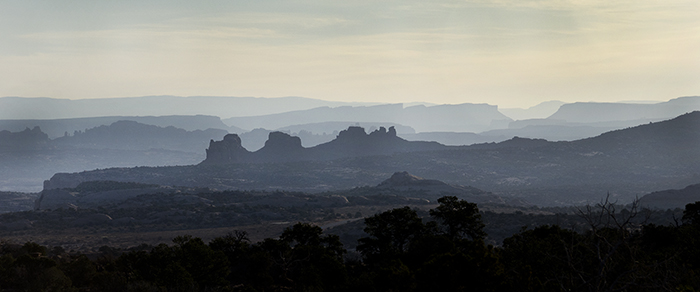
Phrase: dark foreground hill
pixel 400 187
pixel 670 199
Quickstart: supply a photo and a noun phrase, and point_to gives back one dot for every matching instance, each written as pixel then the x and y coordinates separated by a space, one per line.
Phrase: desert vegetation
pixel 445 250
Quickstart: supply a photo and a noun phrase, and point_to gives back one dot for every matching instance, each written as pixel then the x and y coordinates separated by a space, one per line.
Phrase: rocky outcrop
pixel 228 150
pixel 63 181
pixel 27 140
pixel 282 147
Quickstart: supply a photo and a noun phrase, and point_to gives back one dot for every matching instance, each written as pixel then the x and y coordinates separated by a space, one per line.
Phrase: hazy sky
pixel 509 53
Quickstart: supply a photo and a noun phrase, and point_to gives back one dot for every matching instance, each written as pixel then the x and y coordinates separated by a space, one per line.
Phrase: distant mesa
pixel 228 150
pixel 404 179
pixel 448 117
pixel 579 112
pixel 282 147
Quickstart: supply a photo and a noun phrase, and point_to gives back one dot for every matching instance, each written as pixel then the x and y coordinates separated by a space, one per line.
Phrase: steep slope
pixel 679 135
pixel 671 199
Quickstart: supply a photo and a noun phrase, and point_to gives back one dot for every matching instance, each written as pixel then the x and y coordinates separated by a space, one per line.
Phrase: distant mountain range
pixel 221 106
pixel 580 120
pixel 60 127
pixel 625 163
pixel 539 111
pixel 455 118
pixel 131 135
pixel 461 124
pixel 29 156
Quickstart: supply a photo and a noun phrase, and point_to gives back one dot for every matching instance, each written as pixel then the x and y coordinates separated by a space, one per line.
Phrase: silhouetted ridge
pixel 580 112
pixel 670 199
pixel 404 179
pixel 282 141
pixel 682 133
pixel 131 135
pixel 29 139
pixel 515 142
pixel 281 147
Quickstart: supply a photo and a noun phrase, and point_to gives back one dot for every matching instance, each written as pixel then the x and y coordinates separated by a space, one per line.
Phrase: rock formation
pixel 228 150
pixel 404 179
pixel 281 147
pixel 29 139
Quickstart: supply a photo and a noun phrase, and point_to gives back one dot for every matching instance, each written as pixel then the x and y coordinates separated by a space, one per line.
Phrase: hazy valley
pixel 122 186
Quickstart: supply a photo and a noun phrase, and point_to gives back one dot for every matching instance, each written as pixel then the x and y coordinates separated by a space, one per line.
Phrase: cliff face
pixel 228 150
pixel 281 147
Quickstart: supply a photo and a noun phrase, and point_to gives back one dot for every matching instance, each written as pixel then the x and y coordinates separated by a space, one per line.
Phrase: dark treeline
pixel 444 251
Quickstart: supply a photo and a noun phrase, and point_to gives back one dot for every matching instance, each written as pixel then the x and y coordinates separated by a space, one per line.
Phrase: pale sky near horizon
pixel 506 53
